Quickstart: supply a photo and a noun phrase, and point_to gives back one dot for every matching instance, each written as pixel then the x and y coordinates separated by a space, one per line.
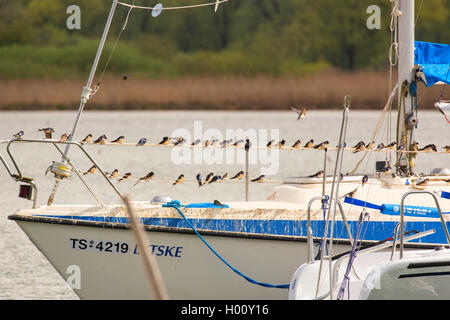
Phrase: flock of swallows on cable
pixel 360 146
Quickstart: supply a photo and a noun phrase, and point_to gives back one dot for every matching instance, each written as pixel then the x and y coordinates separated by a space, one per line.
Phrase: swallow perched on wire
pixel 260 179
pixel 415 148
pixel 322 145
pixel 179 180
pixel 281 144
pixel 48 132
pixel 63 137
pixel 238 175
pixel 300 113
pixel 91 170
pixel 19 135
pixel 101 140
pixel 179 141
pixel 224 177
pixel 297 144
pixel 447 148
pixel 215 179
pixel 248 144
pixel 309 144
pixel 391 145
pixel 351 194
pixel 114 174
pixel 239 143
pixel 226 143
pixel 429 148
pixel 420 75
pixel 146 178
pixel 270 143
pixel 214 142
pixel 380 147
pixel 217 203
pixel 318 174
pixel 119 140
pixel 207 143
pixel 87 139
pixel 370 145
pixel 364 180
pixel 196 142
pixel 126 176
pixel 199 180
pixel 164 141
pixel 209 177
pixel 401 147
pixel 360 146
pixel 141 142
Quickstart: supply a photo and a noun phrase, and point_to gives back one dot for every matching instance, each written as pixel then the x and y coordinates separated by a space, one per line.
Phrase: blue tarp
pixel 434 58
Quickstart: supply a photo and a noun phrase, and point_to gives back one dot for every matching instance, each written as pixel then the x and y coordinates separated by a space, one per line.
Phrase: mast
pixel 405 73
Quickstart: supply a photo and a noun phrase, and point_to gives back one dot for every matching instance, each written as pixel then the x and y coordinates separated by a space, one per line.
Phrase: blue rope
pixel 176 204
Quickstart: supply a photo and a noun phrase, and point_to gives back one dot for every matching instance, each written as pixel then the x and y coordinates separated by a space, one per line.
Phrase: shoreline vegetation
pixel 326 90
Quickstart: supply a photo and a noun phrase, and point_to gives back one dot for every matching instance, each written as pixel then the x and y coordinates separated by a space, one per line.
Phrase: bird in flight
pixel 300 113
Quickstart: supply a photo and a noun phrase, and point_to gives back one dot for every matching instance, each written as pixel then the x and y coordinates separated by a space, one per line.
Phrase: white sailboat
pixel 245 250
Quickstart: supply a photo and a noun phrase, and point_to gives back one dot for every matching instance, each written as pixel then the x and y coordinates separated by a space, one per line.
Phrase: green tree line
pixel 245 37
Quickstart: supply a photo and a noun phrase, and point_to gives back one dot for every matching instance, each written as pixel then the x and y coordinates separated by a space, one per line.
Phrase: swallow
pixel 260 179
pixel 391 145
pixel 126 176
pixel 297 144
pixel 420 75
pixel 281 144
pixel 318 174
pixel 48 132
pixel 214 142
pixel 101 140
pixel 164 141
pixel 429 148
pixel 207 143
pixel 114 174
pixel 359 148
pixel 119 140
pixel 18 135
pixel 351 194
pixel 269 144
pixel 199 180
pixel 91 170
pixel 238 175
pixel 415 148
pixel 359 144
pixel 196 142
pixel 145 178
pixel 447 148
pixel 364 180
pixel 63 137
pixel 300 113
pixel 226 143
pixel 248 144
pixel 422 182
pixel 239 143
pixel 370 145
pixel 217 203
pixel 345 144
pixel 179 141
pixel 224 177
pixel 87 139
pixel 401 147
pixel 179 180
pixel 215 179
pixel 309 144
pixel 141 142
pixel 387 170
pixel 322 146
pixel 381 146
pixel 209 177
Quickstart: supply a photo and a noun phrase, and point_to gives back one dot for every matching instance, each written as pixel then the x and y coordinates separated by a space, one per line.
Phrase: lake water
pixel 24 271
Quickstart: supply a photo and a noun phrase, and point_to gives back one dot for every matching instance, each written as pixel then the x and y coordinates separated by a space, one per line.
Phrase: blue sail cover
pixel 434 58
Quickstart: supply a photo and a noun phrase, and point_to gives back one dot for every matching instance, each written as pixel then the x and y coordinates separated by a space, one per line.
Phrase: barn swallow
pixel 119 140
pixel 322 146
pixel 269 144
pixel 429 148
pixel 48 132
pixel 447 148
pixel 309 144
pixel 281 144
pixel 238 175
pixel 351 194
pixel 226 143
pixel 318 174
pixel 217 203
pixel 420 75
pixel 196 142
pixel 239 143
pixel 345 144
pixel 164 141
pixel 207 143
pixel 199 180
pixel 19 135
pixel 214 142
pixel 297 144
pixel 126 176
pixel 209 177
pixel 364 180
pixel 414 147
pixel 101 140
pixel 215 179
pixel 391 145
pixel 91 170
pixel 179 180
pixel 224 177
pixel 381 146
pixel 87 139
pixel 141 142
pixel 179 141
pixel 359 147
pixel 63 137
pixel 300 113
pixel 260 179
pixel 145 178
pixel 401 147
pixel 370 145
pixel 114 174
pixel 248 144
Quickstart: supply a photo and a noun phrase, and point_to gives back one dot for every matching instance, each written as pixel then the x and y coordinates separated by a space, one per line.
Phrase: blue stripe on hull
pixel 376 230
